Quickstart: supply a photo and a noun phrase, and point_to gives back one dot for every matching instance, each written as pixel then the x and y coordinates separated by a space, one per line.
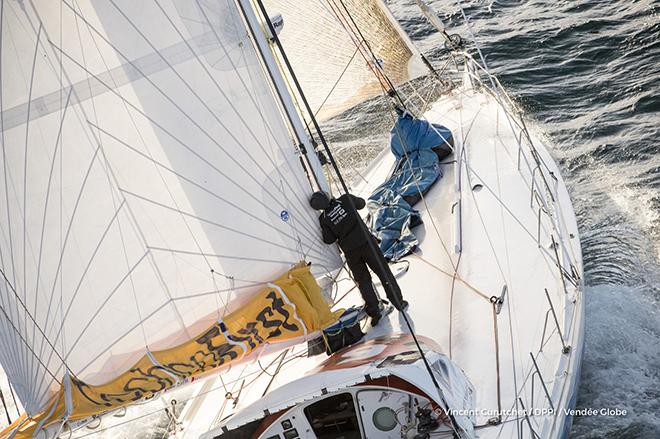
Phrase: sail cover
pixel 148 187
pixel 322 45
pixel 285 310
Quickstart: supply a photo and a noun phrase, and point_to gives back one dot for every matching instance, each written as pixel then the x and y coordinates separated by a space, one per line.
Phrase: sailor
pixel 341 222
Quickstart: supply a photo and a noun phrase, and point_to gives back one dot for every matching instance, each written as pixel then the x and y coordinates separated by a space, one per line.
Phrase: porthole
pixel 384 419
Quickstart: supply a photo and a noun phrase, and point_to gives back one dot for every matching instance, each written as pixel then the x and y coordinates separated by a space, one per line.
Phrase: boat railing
pixel 539 170
pixel 545 201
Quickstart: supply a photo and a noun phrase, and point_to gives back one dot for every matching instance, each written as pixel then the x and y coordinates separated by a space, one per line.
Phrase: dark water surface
pixel 587 74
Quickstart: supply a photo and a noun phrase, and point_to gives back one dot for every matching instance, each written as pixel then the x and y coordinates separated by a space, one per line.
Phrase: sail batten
pixel 150 184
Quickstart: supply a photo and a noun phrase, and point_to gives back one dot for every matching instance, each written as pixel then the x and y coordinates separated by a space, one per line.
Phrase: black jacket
pixel 341 223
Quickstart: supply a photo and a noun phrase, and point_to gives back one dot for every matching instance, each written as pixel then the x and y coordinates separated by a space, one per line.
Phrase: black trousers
pixel 358 260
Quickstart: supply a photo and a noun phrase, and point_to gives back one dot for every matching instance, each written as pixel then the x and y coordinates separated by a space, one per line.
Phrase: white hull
pixel 499 244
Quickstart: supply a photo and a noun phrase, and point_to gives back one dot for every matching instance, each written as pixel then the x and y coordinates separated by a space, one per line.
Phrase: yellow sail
pixel 290 307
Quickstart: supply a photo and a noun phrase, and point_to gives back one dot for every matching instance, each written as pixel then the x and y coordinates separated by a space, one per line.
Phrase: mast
pixel 305 146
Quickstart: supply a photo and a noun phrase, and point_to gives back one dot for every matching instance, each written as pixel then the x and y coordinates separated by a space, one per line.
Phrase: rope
pixel 4 405
pixel 370 241
pixel 497 358
pixel 34 322
pixel 341 75
pixel 386 84
pixel 455 275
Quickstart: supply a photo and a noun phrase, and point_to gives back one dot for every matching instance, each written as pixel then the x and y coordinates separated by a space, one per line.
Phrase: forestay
pixel 149 184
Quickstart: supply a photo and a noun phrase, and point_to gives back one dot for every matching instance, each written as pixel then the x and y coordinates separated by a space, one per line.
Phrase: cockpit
pixel 377 389
pixel 354 413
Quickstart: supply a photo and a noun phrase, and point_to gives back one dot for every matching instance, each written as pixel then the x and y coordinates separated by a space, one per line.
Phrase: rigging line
pixel 204 104
pixel 456 275
pixel 277 371
pixel 207 221
pixel 157 411
pixel 451 304
pixel 13 398
pixel 341 75
pixel 357 33
pixel 530 234
pixel 370 241
pixel 373 55
pixel 349 164
pixel 7 349
pixel 25 342
pixel 12 362
pixel 490 241
pixel 10 348
pixel 373 65
pixel 509 286
pixel 11 287
pixel 61 305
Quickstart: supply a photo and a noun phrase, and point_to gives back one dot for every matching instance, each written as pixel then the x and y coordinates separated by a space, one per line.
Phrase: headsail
pixel 148 179
pixel 329 53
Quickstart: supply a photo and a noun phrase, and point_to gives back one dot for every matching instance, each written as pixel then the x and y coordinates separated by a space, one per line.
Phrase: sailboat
pixel 156 234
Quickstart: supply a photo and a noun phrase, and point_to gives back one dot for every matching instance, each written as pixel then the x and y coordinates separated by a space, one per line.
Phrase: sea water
pixel 587 75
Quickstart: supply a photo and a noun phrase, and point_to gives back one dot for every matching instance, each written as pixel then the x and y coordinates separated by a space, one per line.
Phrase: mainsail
pixel 332 47
pixel 149 184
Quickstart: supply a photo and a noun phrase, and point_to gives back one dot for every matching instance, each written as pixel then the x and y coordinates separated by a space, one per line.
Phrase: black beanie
pixel 319 200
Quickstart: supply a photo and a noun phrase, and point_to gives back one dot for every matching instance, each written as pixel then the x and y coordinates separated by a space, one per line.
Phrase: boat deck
pixel 481 236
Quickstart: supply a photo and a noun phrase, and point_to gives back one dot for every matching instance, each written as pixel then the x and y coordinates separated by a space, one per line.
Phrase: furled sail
pixel 149 185
pixel 330 57
pixel 287 309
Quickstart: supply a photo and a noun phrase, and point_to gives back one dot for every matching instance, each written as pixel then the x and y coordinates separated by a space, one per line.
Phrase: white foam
pixel 621 364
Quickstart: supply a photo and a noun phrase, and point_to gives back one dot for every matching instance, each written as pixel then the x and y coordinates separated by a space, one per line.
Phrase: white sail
pixel 333 60
pixel 148 183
